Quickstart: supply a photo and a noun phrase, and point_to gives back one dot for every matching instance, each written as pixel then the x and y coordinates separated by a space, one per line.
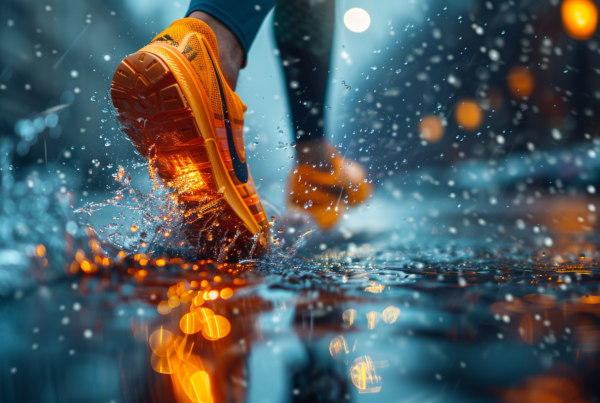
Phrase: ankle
pixel 231 54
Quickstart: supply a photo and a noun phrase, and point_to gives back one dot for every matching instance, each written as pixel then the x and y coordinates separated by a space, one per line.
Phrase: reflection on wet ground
pixel 490 306
pixel 368 323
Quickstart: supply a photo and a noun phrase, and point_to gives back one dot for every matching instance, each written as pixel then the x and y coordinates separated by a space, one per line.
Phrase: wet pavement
pixel 491 315
pixel 470 276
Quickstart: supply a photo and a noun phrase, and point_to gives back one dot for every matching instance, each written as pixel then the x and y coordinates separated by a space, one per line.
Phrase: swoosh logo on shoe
pixel 240 168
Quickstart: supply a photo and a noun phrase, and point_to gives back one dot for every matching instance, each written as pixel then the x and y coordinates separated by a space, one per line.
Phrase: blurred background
pixel 446 103
pixel 478 123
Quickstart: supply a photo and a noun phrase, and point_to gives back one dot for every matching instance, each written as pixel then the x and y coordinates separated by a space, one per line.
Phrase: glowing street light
pixel 357 20
pixel 580 18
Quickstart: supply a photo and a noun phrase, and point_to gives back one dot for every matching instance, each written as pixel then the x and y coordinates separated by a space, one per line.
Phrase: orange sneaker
pixel 324 195
pixel 179 112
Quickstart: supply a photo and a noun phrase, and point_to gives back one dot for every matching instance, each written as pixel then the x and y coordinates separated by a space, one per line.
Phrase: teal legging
pixel 304 34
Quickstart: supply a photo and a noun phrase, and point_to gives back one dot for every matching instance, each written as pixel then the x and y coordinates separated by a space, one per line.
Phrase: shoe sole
pixel 161 102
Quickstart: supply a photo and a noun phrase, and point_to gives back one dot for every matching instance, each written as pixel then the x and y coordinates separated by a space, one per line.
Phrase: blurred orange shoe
pixel 179 112
pixel 325 194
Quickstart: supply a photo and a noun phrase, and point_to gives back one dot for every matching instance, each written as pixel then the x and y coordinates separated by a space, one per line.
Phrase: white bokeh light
pixel 357 20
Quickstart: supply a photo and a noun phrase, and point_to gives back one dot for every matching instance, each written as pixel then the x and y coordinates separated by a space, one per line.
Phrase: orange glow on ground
pixel 204 314
pixel 165 365
pixel 226 293
pixel 338 347
pixel 201 384
pixel 216 327
pixel 163 308
pixel 364 376
pixel 391 314
pixel 161 341
pixel 589 299
pixel 372 319
pixel 88 267
pixel 348 316
pixel 580 18
pixel 186 298
pixel 198 300
pixel 174 301
pixel 41 250
pixel 359 375
pixel 468 114
pixel 431 128
pixel 375 289
pixel 190 323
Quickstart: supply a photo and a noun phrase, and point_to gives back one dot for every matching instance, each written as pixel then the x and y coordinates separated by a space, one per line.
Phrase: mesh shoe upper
pixel 186 35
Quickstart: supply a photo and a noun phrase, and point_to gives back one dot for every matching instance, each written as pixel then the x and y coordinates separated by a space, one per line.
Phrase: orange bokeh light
pixel 198 300
pixel 348 316
pixel 164 308
pixel 161 341
pixel 201 384
pixel 216 327
pixel 359 374
pixel 520 82
pixel 364 376
pixel 338 347
pixel 391 314
pixel 431 128
pixel 41 250
pixel 580 18
pixel 589 299
pixel 468 114
pixel 165 365
pixel 226 293
pixel 372 319
pixel 204 314
pixel 375 289
pixel 190 323
pixel 174 301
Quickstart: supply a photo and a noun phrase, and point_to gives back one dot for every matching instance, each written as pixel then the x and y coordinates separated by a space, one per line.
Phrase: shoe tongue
pixel 178 30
